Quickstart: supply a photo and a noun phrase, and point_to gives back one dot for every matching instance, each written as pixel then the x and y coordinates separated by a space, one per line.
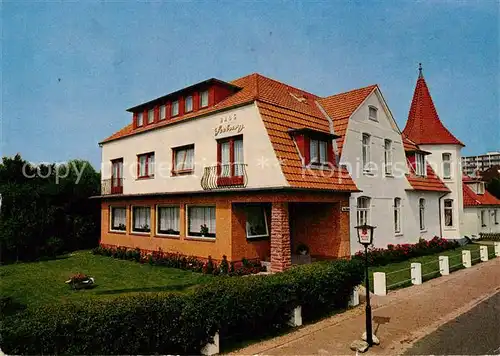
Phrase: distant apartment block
pixel 471 164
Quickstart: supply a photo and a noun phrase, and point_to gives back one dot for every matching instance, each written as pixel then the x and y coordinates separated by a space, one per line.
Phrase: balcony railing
pixel 224 176
pixel 112 186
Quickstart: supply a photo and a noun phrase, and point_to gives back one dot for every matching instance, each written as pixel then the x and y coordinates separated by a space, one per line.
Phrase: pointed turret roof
pixel 423 125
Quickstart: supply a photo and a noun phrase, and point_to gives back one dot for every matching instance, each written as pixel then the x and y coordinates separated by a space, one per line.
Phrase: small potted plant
pixel 121 227
pixel 203 230
pixel 145 228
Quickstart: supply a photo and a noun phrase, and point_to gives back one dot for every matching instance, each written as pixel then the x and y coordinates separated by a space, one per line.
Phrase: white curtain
pixel 118 217
pixel 322 152
pixel 313 151
pixel 168 219
pixel 163 112
pixel 225 159
pixel 202 215
pixel 189 164
pixel 141 218
pixel 142 166
pixel 151 165
pixel 238 157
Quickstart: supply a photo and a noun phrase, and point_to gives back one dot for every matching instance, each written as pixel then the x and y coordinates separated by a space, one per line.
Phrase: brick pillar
pixel 281 257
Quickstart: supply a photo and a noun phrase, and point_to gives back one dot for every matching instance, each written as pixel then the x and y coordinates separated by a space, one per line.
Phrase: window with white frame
pixel 419 164
pixel 421 213
pixel 175 108
pixel 204 99
pixel 318 151
pixel 388 157
pixel 448 212
pixel 256 221
pixel 163 112
pixel 366 152
pixel 372 113
pixel 397 215
pixel 201 221
pixel 183 159
pixel 168 220
pixel 480 188
pixel 141 219
pixel 140 120
pixel 151 116
pixel 118 218
pixel 483 218
pixel 363 210
pixel 188 104
pixel 446 165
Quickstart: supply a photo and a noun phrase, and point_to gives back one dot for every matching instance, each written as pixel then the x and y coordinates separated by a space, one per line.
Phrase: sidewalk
pixel 400 318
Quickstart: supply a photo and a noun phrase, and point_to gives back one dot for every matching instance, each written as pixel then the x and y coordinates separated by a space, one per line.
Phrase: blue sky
pixel 70 69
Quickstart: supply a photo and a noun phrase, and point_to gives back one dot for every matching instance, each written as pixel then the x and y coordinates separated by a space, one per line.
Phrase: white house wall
pixel 381 189
pixel 472 221
pixel 263 168
pixel 454 184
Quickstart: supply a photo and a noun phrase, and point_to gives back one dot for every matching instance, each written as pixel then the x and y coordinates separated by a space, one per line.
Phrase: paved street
pixel 407 315
pixel 476 332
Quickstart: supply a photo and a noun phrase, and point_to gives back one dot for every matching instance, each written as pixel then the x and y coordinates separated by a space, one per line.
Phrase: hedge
pixel 171 323
pixel 403 252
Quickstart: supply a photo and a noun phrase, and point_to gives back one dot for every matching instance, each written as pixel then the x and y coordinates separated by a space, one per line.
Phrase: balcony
pixel 112 186
pixel 224 176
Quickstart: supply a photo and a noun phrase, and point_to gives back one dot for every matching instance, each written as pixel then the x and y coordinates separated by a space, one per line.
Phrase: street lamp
pixel 365 237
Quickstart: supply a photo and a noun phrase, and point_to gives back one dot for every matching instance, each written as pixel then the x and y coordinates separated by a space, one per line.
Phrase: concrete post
pixel 466 260
pixel 379 283
pixel 354 297
pixel 416 273
pixel 444 265
pixel 212 348
pixel 483 253
pixel 296 317
pixel 497 249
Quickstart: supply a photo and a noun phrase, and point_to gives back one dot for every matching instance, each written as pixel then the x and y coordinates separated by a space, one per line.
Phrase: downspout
pixel 440 220
pixel 332 131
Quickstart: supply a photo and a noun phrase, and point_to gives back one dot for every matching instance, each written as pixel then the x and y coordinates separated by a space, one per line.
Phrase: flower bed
pixel 402 252
pixel 176 260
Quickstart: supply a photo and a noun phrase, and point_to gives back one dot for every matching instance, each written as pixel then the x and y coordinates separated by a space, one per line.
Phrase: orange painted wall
pixel 230 223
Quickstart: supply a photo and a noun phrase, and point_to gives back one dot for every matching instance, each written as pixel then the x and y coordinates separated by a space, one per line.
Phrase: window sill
pixel 139 233
pixel 122 232
pixel 423 230
pixel 368 173
pixel 166 236
pixel 400 234
pixel 182 172
pixel 449 228
pixel 199 238
pixel 257 238
pixel 145 177
pixel 389 175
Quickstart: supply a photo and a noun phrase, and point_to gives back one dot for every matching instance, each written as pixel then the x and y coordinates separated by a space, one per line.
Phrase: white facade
pixel 263 168
pixel 453 182
pixel 481 219
pixel 382 189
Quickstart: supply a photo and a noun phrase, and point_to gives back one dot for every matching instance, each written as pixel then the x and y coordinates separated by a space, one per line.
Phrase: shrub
pixel 171 323
pixel 402 252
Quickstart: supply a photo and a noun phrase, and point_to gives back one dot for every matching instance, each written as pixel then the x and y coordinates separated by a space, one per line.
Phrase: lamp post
pixel 365 237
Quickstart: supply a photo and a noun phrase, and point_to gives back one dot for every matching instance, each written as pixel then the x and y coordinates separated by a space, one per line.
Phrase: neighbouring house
pixel 253 168
pixel 481 208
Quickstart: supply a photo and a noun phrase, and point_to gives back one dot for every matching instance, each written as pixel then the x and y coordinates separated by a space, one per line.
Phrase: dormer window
pixel 151 116
pixel 140 120
pixel 175 108
pixel 420 164
pixel 318 152
pixel 204 99
pixel 163 112
pixel 372 113
pixel 188 104
pixel 480 188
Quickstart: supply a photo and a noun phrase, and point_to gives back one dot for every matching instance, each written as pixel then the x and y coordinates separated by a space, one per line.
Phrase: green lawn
pixel 37 283
pixel 398 274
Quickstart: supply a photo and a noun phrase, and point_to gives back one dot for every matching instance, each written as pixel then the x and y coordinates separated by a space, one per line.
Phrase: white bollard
pixel 212 348
pixel 296 317
pixel 444 265
pixel 466 260
pixel 483 253
pixel 354 297
pixel 416 273
pixel 497 249
pixel 379 283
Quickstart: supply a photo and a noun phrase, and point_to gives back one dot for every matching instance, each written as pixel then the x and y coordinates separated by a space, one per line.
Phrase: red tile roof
pixel 472 199
pixel 431 182
pixel 341 106
pixel 423 125
pixel 409 145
